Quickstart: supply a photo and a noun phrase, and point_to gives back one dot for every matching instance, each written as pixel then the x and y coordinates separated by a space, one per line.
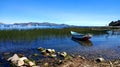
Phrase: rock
pixel 41 49
pixel 118 46
pixel 59 62
pixel 35 66
pixel 50 51
pixel 53 51
pixel 73 55
pixel 58 53
pixel 20 55
pixel 21 61
pixel 31 63
pixel 6 53
pixel 111 64
pixel 68 57
pixel 46 64
pixel 14 58
pixel 23 58
pixel 24 61
pixel 116 62
pixel 46 54
pixel 53 55
pixel 35 55
pixel 64 54
pixel 100 60
pixel 81 57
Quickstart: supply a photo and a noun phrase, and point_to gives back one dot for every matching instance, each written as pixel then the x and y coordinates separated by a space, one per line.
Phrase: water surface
pixel 104 45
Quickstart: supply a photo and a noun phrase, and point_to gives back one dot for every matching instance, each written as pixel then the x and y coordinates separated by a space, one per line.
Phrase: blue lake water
pixel 105 45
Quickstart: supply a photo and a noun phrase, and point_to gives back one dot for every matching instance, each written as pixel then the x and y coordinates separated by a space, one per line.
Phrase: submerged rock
pixel 99 60
pixel 41 49
pixel 47 52
pixel 6 53
pixel 35 55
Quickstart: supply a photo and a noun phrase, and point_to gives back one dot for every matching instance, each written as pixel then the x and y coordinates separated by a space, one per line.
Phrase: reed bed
pixel 35 33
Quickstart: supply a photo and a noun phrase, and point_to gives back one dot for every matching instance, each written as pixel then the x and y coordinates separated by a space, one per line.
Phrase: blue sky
pixel 72 12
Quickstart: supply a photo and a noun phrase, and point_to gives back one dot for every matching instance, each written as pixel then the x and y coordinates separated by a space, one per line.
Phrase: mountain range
pixel 31 25
pixel 40 24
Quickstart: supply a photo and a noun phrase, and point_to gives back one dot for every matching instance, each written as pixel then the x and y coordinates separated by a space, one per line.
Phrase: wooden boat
pixel 80 36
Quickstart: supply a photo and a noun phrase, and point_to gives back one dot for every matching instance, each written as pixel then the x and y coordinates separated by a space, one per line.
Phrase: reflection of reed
pixel 114 32
pixel 82 42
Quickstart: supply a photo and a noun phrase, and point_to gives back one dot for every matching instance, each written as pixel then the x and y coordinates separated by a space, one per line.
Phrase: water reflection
pixel 82 42
pixel 113 32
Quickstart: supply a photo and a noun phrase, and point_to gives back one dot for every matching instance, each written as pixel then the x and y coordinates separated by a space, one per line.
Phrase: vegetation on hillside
pixel 114 23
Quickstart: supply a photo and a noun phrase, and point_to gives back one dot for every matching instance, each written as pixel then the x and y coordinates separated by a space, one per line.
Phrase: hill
pixel 114 23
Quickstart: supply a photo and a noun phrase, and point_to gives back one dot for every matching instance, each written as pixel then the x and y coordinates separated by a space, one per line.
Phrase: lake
pixel 102 45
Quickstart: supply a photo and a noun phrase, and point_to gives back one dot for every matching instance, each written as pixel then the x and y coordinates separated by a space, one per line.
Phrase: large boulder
pixel 21 61
pixel 14 58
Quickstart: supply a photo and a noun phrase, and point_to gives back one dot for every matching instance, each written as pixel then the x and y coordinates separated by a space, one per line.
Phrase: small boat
pixel 80 36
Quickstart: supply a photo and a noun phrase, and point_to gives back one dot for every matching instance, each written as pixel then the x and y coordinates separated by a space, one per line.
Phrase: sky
pixel 72 12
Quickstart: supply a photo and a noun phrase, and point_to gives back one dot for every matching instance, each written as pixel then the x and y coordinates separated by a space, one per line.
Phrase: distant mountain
pixel 32 25
pixel 1 23
pixel 114 23
pixel 40 24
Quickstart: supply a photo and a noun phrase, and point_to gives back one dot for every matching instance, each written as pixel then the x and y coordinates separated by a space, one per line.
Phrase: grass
pixel 35 33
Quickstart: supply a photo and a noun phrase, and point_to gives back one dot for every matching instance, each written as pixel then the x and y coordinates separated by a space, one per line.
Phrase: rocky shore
pixel 59 59
pixel 77 62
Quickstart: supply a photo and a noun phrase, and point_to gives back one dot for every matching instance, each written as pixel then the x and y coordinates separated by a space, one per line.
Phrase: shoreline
pixel 62 59
pixel 78 62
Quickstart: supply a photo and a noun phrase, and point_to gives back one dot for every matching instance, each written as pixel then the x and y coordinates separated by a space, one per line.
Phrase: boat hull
pixel 81 38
